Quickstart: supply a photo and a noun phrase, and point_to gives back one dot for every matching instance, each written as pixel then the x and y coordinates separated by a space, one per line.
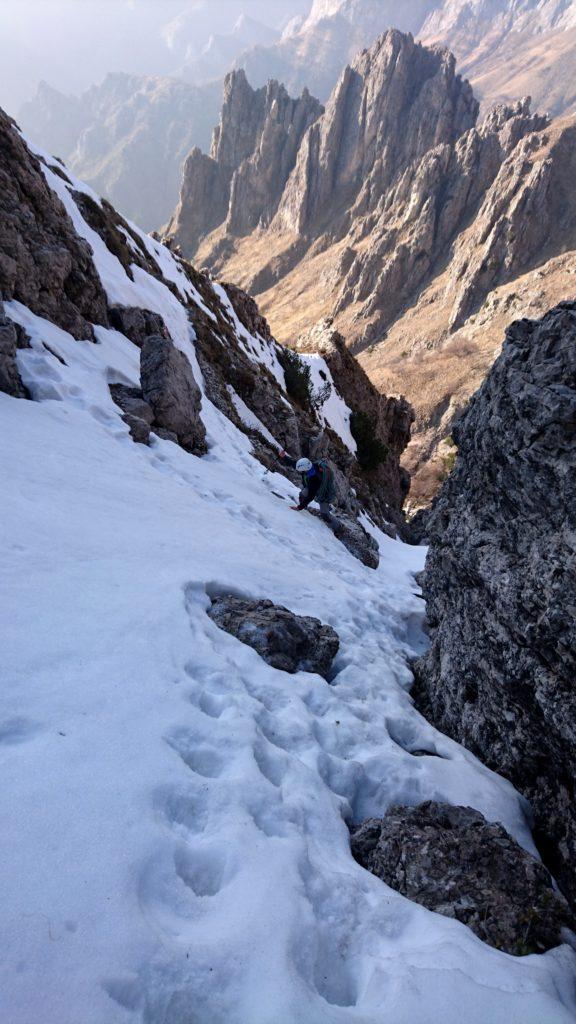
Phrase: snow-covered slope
pixel 174 810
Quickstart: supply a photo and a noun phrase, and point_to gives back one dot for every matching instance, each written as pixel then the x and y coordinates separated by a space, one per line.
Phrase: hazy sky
pixel 73 43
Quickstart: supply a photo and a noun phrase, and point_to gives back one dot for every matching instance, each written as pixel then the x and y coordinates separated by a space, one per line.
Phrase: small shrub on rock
pixel 371 451
pixel 297 376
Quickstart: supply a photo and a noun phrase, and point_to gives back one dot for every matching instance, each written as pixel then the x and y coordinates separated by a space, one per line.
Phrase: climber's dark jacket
pixel 317 483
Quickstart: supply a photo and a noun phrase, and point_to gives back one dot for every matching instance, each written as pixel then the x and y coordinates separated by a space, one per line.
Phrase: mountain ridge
pixel 372 240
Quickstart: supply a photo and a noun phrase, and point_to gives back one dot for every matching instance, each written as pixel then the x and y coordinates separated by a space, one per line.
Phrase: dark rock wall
pixel 500 581
pixel 43 262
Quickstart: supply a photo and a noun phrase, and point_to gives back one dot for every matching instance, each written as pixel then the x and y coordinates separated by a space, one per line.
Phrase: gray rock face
pixel 500 581
pixel 168 386
pixel 43 262
pixel 254 149
pixel 451 860
pixel 202 204
pixel 397 90
pixel 527 214
pixel 293 643
pixel 430 205
pixel 10 382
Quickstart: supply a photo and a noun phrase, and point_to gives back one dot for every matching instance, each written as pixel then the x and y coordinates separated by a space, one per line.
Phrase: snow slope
pixel 174 840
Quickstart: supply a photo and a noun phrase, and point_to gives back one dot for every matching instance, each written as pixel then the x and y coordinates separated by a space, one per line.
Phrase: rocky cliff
pixel 69 258
pixel 500 581
pixel 254 149
pixel 418 230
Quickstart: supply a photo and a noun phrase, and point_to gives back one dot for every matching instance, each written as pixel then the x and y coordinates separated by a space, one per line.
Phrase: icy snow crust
pixel 174 840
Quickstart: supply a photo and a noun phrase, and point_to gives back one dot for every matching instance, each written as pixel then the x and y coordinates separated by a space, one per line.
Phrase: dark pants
pixel 324 507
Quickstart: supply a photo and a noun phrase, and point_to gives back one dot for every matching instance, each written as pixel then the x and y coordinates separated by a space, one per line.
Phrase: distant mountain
pixel 313 52
pixel 511 48
pixel 127 137
pixel 507 48
pixel 421 232
pixel 130 135
pixel 217 56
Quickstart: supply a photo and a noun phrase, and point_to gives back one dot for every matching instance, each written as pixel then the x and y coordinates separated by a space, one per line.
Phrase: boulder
pixel 455 862
pixel 10 382
pixel 169 387
pixel 131 402
pixel 293 643
pixel 137 324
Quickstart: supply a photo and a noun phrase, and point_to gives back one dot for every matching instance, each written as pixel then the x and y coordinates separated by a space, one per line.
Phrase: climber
pixel 317 484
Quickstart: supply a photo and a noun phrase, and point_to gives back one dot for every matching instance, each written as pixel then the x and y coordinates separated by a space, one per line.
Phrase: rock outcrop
pixel 10 382
pixel 43 262
pixel 451 860
pixel 138 414
pixel 500 581
pixel 169 388
pixel 382 490
pixel 253 151
pixel 390 418
pixel 290 642
pixel 356 539
pixel 396 101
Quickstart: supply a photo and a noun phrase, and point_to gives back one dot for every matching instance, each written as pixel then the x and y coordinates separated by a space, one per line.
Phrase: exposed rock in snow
pixel 293 643
pixel 169 387
pixel 141 289
pixel 138 414
pixel 353 536
pixel 10 382
pixel 392 418
pixel 453 861
pixel 500 580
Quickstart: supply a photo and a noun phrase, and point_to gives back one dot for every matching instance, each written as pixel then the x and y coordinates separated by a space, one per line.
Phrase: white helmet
pixel 303 465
